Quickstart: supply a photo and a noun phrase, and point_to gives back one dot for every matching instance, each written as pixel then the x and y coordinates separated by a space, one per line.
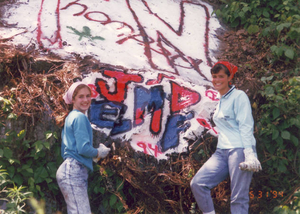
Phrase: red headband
pixel 232 68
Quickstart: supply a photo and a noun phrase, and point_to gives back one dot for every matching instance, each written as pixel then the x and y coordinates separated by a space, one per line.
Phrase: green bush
pixel 279 126
pixel 292 208
pixel 277 20
pixel 32 164
pixel 6 109
pixel 14 196
pixel 106 190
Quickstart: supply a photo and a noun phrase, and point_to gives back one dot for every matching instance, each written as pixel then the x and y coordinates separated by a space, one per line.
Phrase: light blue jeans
pixel 72 179
pixel 222 163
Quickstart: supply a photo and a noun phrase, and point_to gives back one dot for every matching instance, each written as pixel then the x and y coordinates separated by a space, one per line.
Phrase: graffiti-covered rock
pixel 156 112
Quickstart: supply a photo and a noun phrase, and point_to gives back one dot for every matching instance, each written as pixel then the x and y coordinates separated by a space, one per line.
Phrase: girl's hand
pixel 251 162
pixel 102 152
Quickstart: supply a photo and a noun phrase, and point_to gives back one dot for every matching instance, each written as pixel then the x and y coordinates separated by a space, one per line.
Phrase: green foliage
pixel 286 35
pixel 279 130
pixel 277 20
pixel 292 208
pixel 39 206
pixel 14 196
pixel 6 105
pixel 6 108
pixel 32 164
pixel 3 175
pixel 105 190
pixel 17 199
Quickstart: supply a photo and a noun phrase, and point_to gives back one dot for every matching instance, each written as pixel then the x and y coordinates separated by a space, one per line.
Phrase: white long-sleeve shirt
pixel 234 120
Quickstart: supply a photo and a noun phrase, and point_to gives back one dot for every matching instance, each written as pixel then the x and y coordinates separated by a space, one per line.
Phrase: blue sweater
pixel 234 121
pixel 77 139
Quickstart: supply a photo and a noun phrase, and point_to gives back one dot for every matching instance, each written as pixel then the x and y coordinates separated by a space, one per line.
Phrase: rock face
pixel 155 88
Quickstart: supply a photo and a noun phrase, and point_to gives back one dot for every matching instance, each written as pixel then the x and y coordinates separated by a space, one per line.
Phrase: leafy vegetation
pixel 105 189
pixel 14 197
pixel 277 20
pixel 20 156
pixel 279 131
pixel 291 208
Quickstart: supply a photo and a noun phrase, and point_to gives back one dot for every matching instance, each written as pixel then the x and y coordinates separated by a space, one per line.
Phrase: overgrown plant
pixel 279 127
pixel 6 110
pixel 32 164
pixel 15 197
pixel 106 191
pixel 277 20
pixel 3 182
pixel 291 208
pixel 28 162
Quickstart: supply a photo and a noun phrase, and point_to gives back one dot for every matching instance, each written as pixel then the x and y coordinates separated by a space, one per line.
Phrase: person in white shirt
pixel 235 155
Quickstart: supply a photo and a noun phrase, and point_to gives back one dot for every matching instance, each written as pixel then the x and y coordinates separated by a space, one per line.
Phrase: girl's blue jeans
pixel 222 163
pixel 72 179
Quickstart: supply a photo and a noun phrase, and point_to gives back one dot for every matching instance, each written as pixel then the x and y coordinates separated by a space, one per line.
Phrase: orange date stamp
pixel 266 194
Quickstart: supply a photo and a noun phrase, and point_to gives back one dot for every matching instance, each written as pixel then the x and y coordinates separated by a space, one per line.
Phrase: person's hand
pixel 251 162
pixel 102 152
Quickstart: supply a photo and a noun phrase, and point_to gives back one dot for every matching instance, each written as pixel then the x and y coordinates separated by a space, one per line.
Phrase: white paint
pixel 131 54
